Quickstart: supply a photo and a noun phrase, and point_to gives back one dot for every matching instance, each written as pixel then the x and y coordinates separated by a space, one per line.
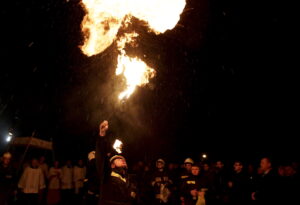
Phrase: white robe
pixel 32 180
pixel 45 169
pixel 54 178
pixel 67 177
pixel 78 177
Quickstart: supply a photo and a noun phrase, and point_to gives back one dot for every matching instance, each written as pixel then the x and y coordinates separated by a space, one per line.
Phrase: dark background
pixel 225 84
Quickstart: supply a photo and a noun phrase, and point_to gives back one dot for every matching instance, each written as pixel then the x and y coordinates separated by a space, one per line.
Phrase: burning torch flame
pixel 118 146
pixel 103 20
pixel 135 71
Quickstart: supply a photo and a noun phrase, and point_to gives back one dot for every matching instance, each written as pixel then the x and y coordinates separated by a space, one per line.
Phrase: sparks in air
pixel 103 20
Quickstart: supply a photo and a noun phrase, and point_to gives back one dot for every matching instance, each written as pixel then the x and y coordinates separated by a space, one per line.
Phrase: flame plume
pixel 103 20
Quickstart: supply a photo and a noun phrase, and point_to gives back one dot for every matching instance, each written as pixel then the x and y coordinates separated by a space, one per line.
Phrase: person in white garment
pixel 54 178
pixel 31 183
pixel 79 173
pixel 67 183
pixel 44 166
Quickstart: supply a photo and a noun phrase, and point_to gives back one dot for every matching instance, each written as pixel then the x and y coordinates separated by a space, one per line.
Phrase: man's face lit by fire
pixel 237 167
pixel 265 164
pixel 119 163
pixel 195 170
pixel 159 165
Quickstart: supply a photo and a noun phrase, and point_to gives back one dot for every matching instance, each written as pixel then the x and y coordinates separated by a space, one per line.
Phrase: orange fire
pixel 103 20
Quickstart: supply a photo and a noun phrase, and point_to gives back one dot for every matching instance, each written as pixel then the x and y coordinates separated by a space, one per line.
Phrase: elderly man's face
pixel 159 165
pixel 120 162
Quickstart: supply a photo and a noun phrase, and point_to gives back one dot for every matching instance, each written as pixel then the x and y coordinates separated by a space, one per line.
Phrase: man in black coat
pixel 193 187
pixel 188 162
pixel 267 186
pixel 220 183
pixel 92 181
pixel 115 188
pixel 239 185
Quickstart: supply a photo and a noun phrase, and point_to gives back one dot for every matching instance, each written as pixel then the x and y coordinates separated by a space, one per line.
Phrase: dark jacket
pixel 116 190
pixel 189 184
pixel 220 181
pixel 7 183
pixel 7 177
pixel 240 191
pixel 289 190
pixel 92 178
pixel 184 175
pixel 267 188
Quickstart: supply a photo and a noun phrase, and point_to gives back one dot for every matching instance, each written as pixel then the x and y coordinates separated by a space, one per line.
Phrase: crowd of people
pixel 188 183
pixel 192 183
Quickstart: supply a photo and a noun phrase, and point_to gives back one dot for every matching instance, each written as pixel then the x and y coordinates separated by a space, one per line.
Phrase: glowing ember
pixel 105 17
pixel 118 146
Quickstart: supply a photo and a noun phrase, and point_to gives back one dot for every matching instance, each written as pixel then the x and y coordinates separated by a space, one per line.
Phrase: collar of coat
pixel 115 174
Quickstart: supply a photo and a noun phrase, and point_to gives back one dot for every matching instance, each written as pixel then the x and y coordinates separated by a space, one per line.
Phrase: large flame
pixel 105 17
pixel 135 71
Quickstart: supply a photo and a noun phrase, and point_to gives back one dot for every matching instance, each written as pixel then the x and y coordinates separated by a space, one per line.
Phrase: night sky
pixel 225 83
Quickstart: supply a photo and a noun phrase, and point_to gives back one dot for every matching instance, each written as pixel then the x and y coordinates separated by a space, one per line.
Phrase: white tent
pixel 32 142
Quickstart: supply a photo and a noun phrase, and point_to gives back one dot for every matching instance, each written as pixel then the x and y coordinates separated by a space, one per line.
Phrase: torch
pixel 118 145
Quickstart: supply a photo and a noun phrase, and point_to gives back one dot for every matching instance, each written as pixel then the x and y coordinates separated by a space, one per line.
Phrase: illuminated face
pixel 119 162
pixel 188 166
pixel 195 171
pixel 237 167
pixel 159 165
pixel 265 164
